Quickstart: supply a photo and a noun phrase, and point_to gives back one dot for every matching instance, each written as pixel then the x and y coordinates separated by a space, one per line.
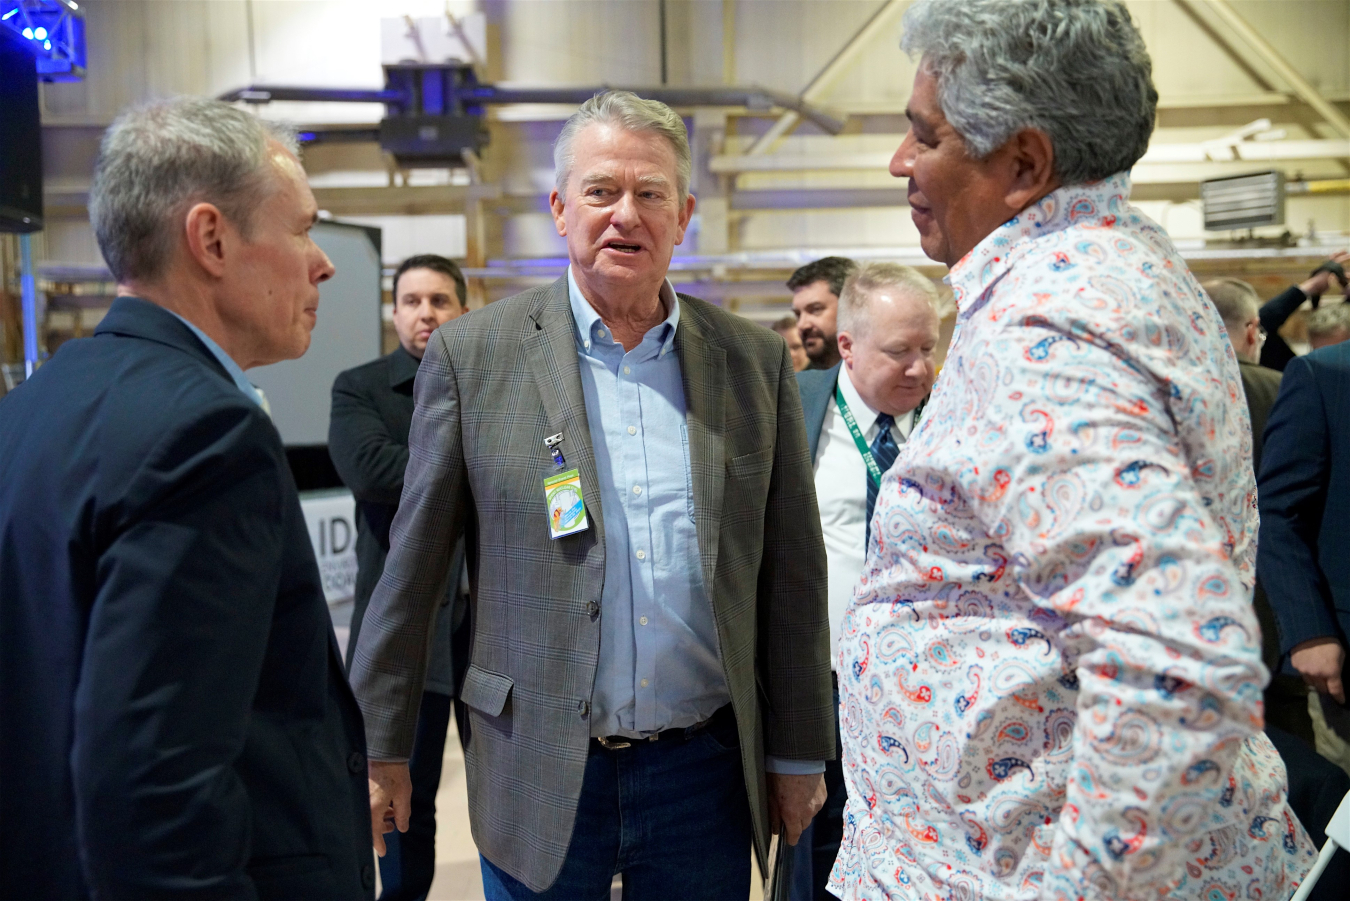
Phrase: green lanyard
pixel 873 470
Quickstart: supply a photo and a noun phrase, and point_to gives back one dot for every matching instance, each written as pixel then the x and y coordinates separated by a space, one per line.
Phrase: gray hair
pixel 629 111
pixel 158 159
pixel 1236 301
pixel 854 314
pixel 1074 69
pixel 1326 321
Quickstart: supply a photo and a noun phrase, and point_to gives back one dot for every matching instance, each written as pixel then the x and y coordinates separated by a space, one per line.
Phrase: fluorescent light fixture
pixel 12 12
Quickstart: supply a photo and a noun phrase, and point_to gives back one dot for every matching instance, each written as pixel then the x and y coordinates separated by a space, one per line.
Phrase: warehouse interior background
pixel 794 109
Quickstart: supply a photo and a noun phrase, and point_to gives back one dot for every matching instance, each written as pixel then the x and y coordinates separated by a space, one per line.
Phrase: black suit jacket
pixel 175 719
pixel 1304 482
pixel 368 442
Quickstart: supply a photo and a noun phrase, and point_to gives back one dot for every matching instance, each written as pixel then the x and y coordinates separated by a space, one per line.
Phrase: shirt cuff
pixel 785 767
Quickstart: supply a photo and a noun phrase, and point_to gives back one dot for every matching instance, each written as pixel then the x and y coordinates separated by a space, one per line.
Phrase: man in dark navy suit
pixel 176 721
pixel 368 441
pixel 1303 489
pixel 858 413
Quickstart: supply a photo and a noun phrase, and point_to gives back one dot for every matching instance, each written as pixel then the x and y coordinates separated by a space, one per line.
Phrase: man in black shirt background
pixel 368 441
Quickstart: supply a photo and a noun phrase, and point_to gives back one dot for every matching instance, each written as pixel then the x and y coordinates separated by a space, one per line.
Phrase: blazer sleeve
pixel 367 457
pixel 794 632
pixel 1291 491
pixel 390 666
pixel 183 606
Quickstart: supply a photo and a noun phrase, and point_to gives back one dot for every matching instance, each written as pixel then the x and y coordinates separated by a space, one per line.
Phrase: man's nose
pixel 324 270
pixel 902 163
pixel 624 211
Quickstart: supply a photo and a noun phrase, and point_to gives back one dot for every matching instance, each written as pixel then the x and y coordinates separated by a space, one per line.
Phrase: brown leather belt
pixel 683 733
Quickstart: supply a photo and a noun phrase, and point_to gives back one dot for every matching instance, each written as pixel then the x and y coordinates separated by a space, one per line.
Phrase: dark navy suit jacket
pixel 817 390
pixel 175 719
pixel 1303 552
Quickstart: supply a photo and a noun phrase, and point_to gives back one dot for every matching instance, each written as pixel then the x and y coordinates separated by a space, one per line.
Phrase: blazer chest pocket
pixel 485 691
pixel 752 465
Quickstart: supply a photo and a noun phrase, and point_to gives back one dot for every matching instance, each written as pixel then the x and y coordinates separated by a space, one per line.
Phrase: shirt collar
pixel 1093 205
pixel 589 324
pixel 240 380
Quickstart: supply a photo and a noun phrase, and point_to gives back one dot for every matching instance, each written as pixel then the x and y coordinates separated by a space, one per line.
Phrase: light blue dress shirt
pixel 240 380
pixel 659 666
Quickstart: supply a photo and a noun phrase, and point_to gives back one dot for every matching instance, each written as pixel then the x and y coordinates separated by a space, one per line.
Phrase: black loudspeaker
pixel 20 137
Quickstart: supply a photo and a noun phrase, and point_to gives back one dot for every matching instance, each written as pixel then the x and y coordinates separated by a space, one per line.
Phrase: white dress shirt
pixel 841 492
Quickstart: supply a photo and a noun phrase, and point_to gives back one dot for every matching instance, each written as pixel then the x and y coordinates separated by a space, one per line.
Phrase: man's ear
pixel 555 204
pixel 845 343
pixel 208 235
pixel 686 213
pixel 1031 168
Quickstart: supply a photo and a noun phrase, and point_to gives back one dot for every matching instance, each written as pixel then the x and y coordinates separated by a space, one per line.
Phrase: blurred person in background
pixel 177 723
pixel 858 414
pixel 787 327
pixel 368 441
pixel 1276 353
pixel 815 291
pixel 1050 672
pixel 1328 325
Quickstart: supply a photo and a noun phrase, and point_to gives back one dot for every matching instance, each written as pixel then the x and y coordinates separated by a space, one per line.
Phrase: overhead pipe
pixel 751 97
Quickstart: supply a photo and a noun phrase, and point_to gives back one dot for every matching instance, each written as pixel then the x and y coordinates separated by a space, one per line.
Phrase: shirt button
pixel 356 762
pixel 593 609
pixel 632 430
pixel 637 489
pixel 584 707
pixel 642 555
pixel 588 344
pixel 643 621
pixel 644 683
pixel 626 370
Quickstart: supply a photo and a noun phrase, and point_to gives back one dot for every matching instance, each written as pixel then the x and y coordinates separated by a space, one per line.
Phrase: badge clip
pixel 552 442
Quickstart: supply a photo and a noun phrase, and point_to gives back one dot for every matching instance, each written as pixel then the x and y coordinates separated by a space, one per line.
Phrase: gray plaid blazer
pixel 492 386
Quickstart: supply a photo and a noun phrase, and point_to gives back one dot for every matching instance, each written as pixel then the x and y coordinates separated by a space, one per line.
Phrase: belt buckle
pixel 612 745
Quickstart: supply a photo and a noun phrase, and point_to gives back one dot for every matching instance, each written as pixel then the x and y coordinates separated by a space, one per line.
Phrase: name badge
pixel 566 508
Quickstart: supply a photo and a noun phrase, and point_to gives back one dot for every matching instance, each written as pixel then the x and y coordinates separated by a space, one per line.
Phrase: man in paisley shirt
pixel 1050 672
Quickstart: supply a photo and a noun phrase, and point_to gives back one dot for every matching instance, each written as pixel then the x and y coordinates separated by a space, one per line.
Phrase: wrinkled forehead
pixel 604 150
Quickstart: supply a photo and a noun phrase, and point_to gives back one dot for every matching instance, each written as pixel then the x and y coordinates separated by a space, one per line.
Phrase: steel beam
pixel 823 79
pixel 1273 58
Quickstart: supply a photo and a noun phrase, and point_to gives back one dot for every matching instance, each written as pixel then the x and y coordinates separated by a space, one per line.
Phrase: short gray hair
pixel 1075 69
pixel 629 111
pixel 854 314
pixel 1236 301
pixel 1327 320
pixel 158 159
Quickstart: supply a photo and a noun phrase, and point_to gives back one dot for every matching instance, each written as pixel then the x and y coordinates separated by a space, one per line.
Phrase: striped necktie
pixel 884 450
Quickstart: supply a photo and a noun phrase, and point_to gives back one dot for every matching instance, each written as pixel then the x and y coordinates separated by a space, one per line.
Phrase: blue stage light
pixel 56 28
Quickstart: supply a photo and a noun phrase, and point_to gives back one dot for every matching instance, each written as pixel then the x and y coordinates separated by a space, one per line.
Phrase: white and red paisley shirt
pixel 1050 672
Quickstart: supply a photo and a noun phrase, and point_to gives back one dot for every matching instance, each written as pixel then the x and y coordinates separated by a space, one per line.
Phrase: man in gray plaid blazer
pixel 648 684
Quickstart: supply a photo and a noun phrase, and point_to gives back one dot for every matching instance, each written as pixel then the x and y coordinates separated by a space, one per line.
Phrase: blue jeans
pixel 671 816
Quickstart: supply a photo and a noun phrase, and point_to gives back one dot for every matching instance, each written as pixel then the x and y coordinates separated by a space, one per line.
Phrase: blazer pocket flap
pixel 485 691
pixel 751 464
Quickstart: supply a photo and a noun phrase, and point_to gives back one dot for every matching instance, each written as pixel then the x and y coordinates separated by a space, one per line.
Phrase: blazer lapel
pixel 550 351
pixel 703 366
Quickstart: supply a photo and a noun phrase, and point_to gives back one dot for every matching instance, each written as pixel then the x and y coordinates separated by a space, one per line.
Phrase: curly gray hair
pixel 158 159
pixel 629 111
pixel 1075 69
